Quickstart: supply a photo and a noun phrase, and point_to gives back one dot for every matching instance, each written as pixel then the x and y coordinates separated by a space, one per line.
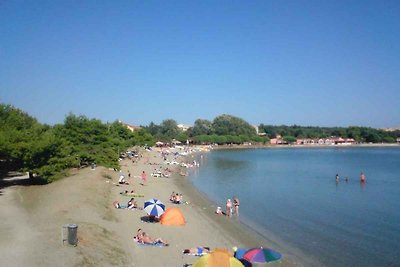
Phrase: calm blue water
pixel 291 195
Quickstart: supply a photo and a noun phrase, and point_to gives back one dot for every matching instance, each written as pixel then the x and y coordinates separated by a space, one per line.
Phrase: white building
pixel 183 127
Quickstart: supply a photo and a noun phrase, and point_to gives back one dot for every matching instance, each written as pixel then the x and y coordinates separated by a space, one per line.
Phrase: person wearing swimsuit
pixel 236 204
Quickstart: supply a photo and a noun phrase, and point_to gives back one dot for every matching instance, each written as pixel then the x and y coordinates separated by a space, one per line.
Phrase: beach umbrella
pixel 154 207
pixel 218 258
pixel 261 255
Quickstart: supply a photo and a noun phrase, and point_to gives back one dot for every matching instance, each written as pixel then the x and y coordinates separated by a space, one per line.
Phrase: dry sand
pixel 32 220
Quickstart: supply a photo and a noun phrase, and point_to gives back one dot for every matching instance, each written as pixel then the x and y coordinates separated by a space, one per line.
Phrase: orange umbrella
pixel 218 258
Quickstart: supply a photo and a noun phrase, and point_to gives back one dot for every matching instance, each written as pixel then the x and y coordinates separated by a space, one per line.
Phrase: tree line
pixel 359 134
pixel 49 151
pixel 224 129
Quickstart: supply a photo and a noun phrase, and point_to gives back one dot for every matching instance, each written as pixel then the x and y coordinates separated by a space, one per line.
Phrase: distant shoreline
pixel 223 147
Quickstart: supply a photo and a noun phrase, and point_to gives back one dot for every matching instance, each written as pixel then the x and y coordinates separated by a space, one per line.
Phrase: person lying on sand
pixel 197 250
pixel 144 238
pixel 132 204
pixel 118 206
pixel 139 234
pixel 128 193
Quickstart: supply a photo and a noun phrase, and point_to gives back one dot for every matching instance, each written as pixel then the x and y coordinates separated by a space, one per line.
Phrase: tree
pixel 202 127
pixel 153 129
pixel 230 125
pixel 182 137
pixel 27 145
pixel 19 132
pixel 289 139
pixel 169 129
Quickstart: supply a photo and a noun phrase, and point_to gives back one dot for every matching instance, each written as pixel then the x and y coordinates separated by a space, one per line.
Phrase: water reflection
pixel 229 164
pixel 362 186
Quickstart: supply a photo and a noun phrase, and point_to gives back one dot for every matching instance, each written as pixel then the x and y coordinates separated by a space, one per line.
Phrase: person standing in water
pixel 236 204
pixel 229 207
pixel 362 178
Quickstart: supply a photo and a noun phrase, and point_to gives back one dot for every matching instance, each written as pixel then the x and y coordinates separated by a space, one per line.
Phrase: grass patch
pixel 100 247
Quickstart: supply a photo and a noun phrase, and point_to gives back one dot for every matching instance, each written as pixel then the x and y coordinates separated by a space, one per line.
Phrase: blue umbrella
pixel 154 207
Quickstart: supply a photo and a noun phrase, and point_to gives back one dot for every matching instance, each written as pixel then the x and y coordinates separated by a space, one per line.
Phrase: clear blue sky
pixel 324 63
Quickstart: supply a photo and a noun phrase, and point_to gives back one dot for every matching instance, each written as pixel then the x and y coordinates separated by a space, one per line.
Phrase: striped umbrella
pixel 154 207
pixel 261 255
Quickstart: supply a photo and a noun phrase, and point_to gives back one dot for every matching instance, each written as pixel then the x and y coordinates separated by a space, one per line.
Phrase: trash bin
pixel 72 234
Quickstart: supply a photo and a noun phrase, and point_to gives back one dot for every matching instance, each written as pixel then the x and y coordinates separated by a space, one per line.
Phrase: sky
pixel 310 63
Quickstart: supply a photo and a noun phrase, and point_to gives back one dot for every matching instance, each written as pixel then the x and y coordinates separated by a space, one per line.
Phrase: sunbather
pixel 132 204
pixel 119 206
pixel 122 179
pixel 128 193
pixel 146 239
pixel 172 197
pixel 197 251
pixel 138 235
pixel 178 198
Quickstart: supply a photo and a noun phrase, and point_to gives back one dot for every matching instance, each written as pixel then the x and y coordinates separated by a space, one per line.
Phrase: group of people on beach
pixel 142 237
pixel 123 181
pixel 132 204
pixel 362 178
pixel 232 207
pixel 176 198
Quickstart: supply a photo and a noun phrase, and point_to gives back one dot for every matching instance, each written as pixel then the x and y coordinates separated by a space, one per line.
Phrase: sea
pixel 290 197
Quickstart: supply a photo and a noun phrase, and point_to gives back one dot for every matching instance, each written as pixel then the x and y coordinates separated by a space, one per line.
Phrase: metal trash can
pixel 72 234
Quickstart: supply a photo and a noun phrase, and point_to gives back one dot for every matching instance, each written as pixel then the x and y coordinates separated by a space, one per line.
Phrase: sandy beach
pixel 33 218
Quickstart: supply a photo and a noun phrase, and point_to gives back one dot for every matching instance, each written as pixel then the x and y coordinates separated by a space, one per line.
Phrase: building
pixel 183 127
pixel 333 140
pixel 130 127
pixel 256 128
pixel 277 141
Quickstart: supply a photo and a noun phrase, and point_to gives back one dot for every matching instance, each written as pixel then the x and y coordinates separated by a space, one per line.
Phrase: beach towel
pixel 119 206
pixel 158 244
pixel 196 254
pixel 200 252
pixel 132 195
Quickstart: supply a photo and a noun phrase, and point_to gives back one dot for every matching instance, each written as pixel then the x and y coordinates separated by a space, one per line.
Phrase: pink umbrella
pixel 261 255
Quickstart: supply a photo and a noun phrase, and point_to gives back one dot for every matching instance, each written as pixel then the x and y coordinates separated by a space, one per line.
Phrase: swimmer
pixel 362 178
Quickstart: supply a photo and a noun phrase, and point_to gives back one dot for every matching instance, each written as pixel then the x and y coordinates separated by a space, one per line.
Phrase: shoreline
pixel 243 235
pixel 226 147
pixel 35 215
pixel 231 230
pixel 245 232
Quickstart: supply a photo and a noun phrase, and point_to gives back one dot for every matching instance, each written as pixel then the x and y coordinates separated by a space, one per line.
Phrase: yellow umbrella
pixel 218 258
